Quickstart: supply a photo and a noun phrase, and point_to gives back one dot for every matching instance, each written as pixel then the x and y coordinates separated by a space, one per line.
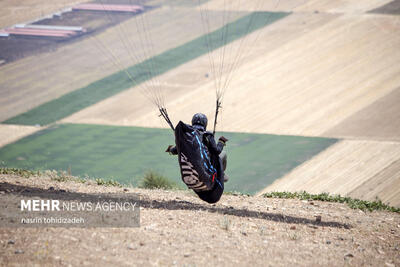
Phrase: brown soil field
pixel 178 229
pixel 301 80
pixel 392 7
pixel 378 121
pixel 15 47
pixel 341 6
pixel 26 84
pixel 361 169
pixel 11 133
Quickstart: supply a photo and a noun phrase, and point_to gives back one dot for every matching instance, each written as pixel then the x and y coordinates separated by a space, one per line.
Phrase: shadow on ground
pixel 51 193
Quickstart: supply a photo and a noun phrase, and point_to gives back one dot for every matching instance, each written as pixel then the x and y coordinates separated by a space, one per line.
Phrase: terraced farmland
pixel 317 68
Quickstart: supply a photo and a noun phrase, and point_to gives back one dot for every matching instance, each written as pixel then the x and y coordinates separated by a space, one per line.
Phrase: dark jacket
pixel 209 142
pixel 215 149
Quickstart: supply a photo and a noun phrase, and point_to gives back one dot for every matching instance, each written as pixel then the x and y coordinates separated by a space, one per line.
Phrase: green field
pixel 79 99
pixel 125 153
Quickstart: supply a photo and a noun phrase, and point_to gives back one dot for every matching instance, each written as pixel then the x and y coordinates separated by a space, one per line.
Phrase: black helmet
pixel 200 119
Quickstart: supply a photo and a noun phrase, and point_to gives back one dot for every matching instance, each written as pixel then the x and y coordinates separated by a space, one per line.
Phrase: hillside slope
pixel 327 69
pixel 179 229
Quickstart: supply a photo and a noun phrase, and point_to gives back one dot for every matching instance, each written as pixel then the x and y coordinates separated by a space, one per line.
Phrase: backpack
pixel 197 170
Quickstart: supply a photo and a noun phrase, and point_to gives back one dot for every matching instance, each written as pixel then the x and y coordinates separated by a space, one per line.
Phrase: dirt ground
pixel 179 229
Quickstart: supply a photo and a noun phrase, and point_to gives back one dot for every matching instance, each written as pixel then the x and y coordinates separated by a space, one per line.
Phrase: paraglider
pixel 202 162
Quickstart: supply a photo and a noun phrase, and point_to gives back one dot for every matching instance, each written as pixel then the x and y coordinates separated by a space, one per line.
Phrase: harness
pixel 197 169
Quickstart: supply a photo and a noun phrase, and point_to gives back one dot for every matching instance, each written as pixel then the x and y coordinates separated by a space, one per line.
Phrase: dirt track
pixel 178 229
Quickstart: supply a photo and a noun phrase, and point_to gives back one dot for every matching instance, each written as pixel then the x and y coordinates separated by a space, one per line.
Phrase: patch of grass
pixel 351 202
pixel 82 180
pixel 293 236
pixel 110 182
pixel 58 176
pixel 225 223
pixel 153 180
pixel 19 172
pixel 62 176
pixel 262 230
pixel 235 193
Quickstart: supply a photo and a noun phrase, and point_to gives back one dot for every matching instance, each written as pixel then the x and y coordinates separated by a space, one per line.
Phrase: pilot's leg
pixel 223 158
